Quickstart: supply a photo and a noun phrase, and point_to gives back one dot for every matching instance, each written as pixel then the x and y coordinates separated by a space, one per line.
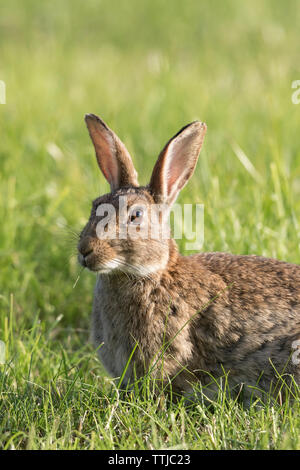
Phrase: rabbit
pixel 184 319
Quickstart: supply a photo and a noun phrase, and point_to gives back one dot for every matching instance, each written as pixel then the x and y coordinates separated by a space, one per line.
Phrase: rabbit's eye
pixel 136 216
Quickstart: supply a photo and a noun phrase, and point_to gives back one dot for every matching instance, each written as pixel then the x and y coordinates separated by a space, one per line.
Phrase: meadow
pixel 147 68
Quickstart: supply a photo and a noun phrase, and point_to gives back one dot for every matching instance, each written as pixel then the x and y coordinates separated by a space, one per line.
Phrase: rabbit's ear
pixel 112 156
pixel 176 163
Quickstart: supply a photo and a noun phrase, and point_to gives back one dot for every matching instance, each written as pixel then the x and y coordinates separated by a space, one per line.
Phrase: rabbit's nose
pixel 85 248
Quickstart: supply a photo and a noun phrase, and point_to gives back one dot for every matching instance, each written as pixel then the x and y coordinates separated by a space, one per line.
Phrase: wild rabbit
pixel 192 318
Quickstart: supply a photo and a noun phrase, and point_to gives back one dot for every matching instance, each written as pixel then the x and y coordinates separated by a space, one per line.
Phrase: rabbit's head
pixel 128 228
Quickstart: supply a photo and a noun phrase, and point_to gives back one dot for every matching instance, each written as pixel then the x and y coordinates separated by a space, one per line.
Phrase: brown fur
pixel 208 313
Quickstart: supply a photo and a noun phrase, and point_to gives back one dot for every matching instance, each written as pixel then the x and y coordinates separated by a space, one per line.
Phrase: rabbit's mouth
pixel 83 260
pixel 88 261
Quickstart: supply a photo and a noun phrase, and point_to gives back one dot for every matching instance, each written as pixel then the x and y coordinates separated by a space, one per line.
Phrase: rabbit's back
pixel 254 322
pixel 257 284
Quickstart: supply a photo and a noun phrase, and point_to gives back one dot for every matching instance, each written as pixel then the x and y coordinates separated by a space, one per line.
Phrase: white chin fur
pixel 136 270
pixel 144 270
pixel 108 267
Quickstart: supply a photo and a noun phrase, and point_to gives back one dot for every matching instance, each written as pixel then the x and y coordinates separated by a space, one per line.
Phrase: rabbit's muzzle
pixel 85 251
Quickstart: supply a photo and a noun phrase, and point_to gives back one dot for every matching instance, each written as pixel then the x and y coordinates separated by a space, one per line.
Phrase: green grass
pixel 147 68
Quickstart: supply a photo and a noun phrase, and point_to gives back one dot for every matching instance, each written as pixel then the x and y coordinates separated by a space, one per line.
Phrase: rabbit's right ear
pixel 176 163
pixel 112 156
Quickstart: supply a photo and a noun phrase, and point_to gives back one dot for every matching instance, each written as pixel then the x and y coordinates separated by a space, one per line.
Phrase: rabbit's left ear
pixel 112 156
pixel 176 163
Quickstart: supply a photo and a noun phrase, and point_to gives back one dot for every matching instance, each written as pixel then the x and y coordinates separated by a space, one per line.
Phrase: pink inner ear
pixel 177 166
pixel 107 162
pixel 112 155
pixel 173 175
pixel 105 153
pixel 176 162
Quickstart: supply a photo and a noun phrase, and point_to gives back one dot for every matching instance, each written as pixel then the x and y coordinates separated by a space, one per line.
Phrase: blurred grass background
pixel 147 68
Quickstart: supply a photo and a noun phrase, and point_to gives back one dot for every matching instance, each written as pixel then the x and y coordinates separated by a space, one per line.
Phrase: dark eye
pixel 136 216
